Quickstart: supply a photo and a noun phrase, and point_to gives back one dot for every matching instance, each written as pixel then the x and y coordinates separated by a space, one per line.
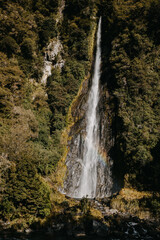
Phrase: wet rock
pixel 77 135
pixel 75 230
pixel 58 227
pixel 100 229
pixel 28 230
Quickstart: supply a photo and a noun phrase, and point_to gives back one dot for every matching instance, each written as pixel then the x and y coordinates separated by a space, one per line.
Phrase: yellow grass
pixel 131 194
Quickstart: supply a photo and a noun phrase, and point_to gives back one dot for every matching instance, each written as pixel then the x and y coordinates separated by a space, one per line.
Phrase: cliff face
pixel 76 143
pixel 46 58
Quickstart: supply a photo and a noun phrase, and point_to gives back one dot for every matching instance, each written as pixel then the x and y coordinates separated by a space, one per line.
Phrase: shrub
pixel 28 48
pixel 9 46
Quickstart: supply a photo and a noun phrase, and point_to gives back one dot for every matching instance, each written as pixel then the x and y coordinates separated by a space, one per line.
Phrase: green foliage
pixel 77 27
pixel 22 195
pixel 27 47
pixel 46 158
pixel 8 45
pixel 33 116
pixel 45 7
pixel 134 83
pixel 85 206
pixel 26 4
pixel 62 88
pixel 80 7
pixel 25 193
pixel 46 28
pixel 10 83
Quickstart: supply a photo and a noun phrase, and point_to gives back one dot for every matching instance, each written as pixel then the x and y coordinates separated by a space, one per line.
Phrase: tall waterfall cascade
pixel 88 181
pixel 88 173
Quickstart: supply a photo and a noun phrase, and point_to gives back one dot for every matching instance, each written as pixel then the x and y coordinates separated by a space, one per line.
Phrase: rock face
pixel 52 58
pixel 75 144
pixel 60 11
pixel 54 50
pixel 88 164
pixel 77 135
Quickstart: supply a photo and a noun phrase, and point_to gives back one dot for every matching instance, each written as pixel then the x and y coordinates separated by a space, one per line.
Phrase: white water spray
pixel 88 180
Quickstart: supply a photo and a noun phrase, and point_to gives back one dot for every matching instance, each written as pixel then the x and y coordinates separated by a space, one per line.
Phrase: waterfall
pixel 89 168
pixel 88 179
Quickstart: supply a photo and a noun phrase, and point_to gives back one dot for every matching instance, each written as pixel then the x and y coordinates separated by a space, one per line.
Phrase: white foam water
pixel 88 180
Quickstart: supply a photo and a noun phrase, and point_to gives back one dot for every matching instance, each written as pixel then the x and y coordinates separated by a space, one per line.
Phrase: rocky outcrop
pixel 53 58
pixel 60 11
pixel 53 53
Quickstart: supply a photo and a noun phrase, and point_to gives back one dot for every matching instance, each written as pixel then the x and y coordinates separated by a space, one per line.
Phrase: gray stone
pixel 100 229
pixel 76 146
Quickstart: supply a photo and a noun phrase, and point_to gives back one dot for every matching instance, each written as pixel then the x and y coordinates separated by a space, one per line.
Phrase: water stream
pixel 88 179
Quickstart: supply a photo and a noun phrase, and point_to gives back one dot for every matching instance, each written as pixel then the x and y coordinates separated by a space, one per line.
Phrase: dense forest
pixel 131 67
pixel 35 117
pixel 32 116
